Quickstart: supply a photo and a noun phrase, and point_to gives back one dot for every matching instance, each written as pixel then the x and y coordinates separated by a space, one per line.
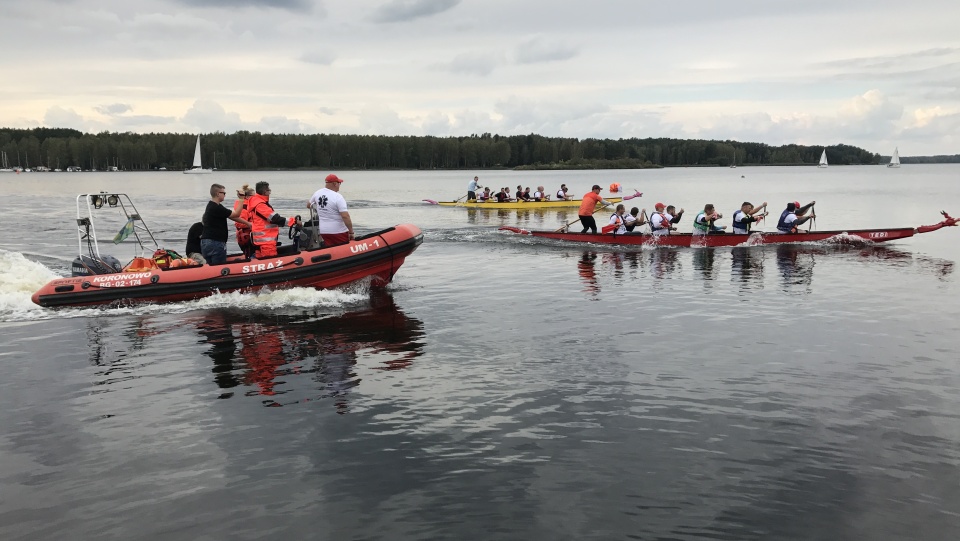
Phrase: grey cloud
pixel 886 61
pixel 64 118
pixel 207 115
pixel 475 63
pixel 407 10
pixel 113 109
pixel 328 110
pixel 282 124
pixel 321 58
pixel 290 5
pixel 539 50
pixel 142 121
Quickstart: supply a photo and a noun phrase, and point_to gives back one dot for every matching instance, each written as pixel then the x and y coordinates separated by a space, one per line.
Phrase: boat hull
pixel 378 255
pixel 687 240
pixel 573 203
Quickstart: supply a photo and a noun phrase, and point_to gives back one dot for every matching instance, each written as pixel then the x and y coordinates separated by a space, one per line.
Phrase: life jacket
pixel 783 226
pixel 612 228
pixel 663 220
pixel 263 232
pixel 560 194
pixel 243 232
pixel 738 225
pixel 704 226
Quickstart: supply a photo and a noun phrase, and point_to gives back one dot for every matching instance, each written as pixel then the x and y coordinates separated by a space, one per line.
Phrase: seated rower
pixel 562 193
pixel 617 224
pixel 484 195
pixel 793 217
pixel 660 221
pixel 540 195
pixel 703 224
pixel 634 219
pixel 743 218
pixel 502 196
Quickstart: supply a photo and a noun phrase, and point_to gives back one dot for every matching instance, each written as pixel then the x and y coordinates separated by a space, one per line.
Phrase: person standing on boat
pixel 590 201
pixel 660 220
pixel 472 188
pixel 213 240
pixel 703 224
pixel 335 225
pixel 243 232
pixel 793 217
pixel 746 216
pixel 266 223
pixel 562 193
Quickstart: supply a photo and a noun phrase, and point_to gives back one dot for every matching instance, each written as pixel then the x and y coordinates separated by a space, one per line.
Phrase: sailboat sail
pixel 196 154
pixel 197 168
pixel 823 158
pixel 895 160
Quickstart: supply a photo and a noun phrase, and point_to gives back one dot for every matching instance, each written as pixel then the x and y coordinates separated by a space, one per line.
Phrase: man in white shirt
pixel 335 225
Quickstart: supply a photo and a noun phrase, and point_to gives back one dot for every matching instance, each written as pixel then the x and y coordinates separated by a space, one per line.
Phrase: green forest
pixel 58 148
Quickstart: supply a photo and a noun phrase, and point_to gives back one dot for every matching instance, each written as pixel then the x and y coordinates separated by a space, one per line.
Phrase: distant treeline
pixel 62 148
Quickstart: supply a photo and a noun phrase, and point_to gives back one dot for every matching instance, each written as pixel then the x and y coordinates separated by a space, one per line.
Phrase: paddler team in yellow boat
pixel 523 198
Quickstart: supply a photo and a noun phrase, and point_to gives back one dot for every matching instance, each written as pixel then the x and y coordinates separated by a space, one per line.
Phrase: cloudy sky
pixel 871 73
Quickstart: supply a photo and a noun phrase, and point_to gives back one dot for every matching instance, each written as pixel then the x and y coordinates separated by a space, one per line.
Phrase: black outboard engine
pixel 86 266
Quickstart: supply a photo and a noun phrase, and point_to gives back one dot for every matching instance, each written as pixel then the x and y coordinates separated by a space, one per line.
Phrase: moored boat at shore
pixel 688 240
pixel 100 279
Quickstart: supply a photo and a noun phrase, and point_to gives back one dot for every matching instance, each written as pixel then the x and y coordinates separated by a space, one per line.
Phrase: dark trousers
pixel 588 223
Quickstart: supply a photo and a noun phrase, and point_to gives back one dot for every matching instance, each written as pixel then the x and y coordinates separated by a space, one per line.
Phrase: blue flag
pixel 124 232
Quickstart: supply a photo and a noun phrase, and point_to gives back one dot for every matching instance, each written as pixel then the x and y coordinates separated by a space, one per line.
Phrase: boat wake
pixel 21 277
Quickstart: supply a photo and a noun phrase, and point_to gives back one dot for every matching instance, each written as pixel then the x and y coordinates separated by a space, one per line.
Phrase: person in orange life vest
pixel 266 222
pixel 243 231
pixel 618 224
pixel 590 201
pixel 335 226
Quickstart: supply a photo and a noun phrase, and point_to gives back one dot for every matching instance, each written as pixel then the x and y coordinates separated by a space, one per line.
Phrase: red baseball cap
pixel 333 178
pixel 659 206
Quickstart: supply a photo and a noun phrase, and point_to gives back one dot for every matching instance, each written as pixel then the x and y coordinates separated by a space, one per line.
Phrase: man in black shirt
pixel 213 241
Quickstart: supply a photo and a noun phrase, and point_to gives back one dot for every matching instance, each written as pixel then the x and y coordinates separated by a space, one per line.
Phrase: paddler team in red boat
pixel 258 225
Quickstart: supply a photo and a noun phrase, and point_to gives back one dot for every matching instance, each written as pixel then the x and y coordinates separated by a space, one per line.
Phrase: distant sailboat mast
pixel 823 159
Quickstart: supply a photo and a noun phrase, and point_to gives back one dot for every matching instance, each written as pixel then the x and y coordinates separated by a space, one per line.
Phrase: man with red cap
pixel 335 225
pixel 793 217
pixel 660 220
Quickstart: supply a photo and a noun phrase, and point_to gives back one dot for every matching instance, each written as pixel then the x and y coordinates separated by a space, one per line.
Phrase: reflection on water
pixel 272 357
pixel 795 264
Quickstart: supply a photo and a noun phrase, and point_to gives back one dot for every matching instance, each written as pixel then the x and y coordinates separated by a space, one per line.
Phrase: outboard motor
pixel 86 266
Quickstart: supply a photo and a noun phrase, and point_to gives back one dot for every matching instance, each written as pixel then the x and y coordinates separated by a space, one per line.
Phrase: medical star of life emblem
pixel 322 201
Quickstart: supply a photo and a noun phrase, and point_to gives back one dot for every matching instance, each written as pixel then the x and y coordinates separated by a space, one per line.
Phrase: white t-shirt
pixel 661 222
pixel 329 205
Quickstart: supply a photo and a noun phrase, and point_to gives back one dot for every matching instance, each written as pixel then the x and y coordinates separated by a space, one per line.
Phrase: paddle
pixel 432 202
pixel 626 198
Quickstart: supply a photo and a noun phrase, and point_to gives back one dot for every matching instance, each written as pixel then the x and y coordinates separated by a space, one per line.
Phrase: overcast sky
pixel 871 73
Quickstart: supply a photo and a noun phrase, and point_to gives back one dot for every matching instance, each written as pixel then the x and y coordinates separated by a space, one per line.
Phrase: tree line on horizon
pixel 244 150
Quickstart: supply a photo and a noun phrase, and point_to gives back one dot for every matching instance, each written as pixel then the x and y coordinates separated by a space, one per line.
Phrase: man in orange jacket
pixel 266 222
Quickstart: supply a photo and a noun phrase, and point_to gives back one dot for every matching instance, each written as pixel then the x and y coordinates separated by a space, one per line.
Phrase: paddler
pixel 793 217
pixel 590 201
pixel 743 218
pixel 660 220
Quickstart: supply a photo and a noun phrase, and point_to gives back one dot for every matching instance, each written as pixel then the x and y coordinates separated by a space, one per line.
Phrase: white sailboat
pixel 197 168
pixel 895 160
pixel 823 159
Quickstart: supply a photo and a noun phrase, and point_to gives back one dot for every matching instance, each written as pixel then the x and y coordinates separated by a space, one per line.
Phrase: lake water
pixel 501 387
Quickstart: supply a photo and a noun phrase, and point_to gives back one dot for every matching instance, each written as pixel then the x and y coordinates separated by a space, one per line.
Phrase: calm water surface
pixel 501 387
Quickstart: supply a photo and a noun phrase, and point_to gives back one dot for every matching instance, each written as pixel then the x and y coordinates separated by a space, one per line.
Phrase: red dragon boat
pixel 688 240
pixel 99 279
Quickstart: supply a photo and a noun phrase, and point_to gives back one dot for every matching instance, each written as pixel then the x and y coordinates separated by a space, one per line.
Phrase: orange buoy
pixel 615 187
